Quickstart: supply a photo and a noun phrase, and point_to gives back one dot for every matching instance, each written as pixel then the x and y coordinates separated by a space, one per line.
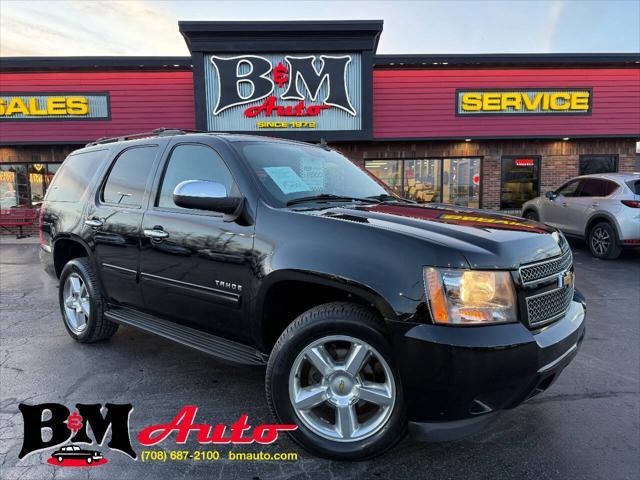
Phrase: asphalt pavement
pixel 585 426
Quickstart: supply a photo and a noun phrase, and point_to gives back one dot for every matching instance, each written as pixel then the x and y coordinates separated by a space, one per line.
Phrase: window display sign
pixel 524 102
pixel 283 92
pixel 54 106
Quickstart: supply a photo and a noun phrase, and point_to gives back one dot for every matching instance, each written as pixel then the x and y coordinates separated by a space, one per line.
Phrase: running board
pixel 227 350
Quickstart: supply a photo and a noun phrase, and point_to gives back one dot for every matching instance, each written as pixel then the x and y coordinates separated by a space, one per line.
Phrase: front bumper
pixel 455 379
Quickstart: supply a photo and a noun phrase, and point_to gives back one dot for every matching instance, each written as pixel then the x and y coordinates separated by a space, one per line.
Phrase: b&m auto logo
pixel 279 91
pixel 72 433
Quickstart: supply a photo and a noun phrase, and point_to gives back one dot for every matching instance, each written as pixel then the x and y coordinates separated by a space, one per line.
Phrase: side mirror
pixel 550 195
pixel 205 195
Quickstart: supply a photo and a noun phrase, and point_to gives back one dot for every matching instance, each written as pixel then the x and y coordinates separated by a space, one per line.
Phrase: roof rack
pixel 158 132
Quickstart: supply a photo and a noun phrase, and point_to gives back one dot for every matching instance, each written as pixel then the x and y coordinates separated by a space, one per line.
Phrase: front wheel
pixel 602 242
pixel 531 215
pixel 332 374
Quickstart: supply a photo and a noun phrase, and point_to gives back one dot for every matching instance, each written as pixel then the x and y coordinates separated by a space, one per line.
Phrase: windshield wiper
pixel 330 197
pixel 385 197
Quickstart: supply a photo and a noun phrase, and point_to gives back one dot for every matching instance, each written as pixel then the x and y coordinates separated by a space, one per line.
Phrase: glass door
pixel 461 182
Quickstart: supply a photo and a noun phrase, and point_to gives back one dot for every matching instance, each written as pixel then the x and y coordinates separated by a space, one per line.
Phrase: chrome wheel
pixel 600 241
pixel 341 388
pixel 77 305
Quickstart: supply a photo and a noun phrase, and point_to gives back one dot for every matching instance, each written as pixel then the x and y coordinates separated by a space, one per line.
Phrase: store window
pixel 598 164
pixel 520 181
pixel 389 171
pixel 423 180
pixel 23 185
pixel 447 180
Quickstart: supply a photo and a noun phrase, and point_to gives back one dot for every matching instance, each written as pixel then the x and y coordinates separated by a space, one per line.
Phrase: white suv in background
pixel 602 208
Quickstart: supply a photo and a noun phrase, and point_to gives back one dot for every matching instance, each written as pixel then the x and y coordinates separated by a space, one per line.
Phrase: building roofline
pixel 508 59
pixel 94 63
pixel 290 35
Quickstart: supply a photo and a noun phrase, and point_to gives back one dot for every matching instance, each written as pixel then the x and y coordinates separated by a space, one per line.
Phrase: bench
pixel 18 217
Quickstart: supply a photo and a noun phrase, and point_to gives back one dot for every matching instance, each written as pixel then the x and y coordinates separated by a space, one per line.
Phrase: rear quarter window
pixel 75 175
pixel 634 185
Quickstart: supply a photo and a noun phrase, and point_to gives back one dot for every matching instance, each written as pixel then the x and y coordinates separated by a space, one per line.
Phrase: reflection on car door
pixel 591 192
pixel 114 221
pixel 198 273
pixel 555 211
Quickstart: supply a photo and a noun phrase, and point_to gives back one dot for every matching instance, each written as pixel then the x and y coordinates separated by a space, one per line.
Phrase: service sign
pixel 281 92
pixel 524 102
pixel 54 106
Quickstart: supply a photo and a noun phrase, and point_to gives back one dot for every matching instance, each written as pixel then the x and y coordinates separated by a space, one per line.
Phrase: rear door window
pixel 597 187
pixel 75 175
pixel 129 175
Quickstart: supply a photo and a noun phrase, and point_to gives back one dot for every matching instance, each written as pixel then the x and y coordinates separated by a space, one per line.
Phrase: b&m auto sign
pixel 283 92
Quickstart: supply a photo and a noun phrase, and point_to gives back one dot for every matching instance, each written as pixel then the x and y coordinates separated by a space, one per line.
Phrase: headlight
pixel 470 297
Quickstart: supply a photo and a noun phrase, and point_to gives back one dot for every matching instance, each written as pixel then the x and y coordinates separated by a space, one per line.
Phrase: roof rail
pixel 158 132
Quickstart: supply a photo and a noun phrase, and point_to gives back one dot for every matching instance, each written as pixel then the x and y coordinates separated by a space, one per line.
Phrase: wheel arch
pixel 309 289
pixel 602 217
pixel 68 247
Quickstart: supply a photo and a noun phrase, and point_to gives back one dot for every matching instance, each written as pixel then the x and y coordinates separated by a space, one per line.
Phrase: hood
pixel 486 239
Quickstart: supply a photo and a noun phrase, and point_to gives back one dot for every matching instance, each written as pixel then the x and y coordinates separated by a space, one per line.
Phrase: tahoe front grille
pixel 540 271
pixel 549 306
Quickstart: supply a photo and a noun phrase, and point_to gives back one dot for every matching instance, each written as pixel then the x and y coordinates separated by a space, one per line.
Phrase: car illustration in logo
pixel 73 452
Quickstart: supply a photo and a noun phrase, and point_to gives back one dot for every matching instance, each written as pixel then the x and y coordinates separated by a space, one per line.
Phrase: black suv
pixel 371 313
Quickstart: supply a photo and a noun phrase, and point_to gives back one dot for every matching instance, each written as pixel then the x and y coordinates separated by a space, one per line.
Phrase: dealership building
pixel 488 131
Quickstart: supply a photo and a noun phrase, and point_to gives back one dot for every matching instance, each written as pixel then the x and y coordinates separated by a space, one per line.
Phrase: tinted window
pixel 74 176
pixel 193 162
pixel 634 185
pixel 595 187
pixel 128 177
pixel 569 189
pixel 519 181
pixel 598 164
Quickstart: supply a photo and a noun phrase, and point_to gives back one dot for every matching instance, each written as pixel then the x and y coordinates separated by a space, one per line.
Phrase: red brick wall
pixel 559 158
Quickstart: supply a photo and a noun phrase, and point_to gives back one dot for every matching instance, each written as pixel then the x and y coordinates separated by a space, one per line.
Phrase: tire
pixel 531 215
pixel 342 328
pixel 96 328
pixel 603 241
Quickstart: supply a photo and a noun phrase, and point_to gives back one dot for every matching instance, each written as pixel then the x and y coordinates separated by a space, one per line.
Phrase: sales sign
pixel 524 102
pixel 283 92
pixel 54 106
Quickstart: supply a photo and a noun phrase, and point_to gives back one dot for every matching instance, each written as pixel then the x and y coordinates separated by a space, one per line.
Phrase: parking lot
pixel 585 426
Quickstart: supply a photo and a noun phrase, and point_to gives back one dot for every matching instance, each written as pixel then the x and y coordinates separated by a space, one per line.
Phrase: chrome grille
pixel 536 272
pixel 546 307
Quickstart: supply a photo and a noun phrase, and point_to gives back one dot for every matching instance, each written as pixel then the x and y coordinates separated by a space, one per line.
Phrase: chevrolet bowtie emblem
pixel 566 280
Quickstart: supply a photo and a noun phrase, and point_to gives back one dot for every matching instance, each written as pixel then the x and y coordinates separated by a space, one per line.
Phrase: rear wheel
pixel 332 374
pixel 603 241
pixel 81 303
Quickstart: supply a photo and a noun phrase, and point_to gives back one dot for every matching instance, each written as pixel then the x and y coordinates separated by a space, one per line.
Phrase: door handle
pixel 155 233
pixel 564 204
pixel 595 205
pixel 93 222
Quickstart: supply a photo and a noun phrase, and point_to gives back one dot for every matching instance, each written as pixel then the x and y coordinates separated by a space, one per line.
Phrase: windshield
pixel 293 171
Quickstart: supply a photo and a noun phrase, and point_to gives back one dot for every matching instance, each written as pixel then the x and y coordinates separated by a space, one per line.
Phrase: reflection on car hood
pixel 486 239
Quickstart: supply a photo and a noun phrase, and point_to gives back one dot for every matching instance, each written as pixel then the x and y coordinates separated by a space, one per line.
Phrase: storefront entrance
pixel 453 181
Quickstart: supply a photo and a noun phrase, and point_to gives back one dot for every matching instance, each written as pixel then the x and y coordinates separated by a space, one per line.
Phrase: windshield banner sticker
pixel 287 180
